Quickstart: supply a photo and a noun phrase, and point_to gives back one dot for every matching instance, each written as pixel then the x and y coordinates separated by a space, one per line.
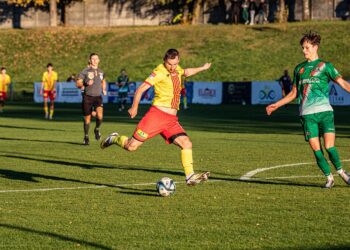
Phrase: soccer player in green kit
pixel 310 85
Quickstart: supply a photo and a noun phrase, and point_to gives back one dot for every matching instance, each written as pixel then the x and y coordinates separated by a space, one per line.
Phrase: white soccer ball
pixel 165 186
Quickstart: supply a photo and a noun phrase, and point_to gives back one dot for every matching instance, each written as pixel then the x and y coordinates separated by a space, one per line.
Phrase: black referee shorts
pixel 90 102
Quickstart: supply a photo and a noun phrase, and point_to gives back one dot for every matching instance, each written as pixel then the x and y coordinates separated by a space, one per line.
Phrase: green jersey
pixel 311 80
pixel 122 81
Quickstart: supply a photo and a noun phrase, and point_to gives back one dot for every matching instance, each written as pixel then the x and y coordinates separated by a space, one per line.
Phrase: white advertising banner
pixel 37 97
pixel 338 96
pixel 207 92
pixel 266 92
pixel 68 92
pixel 65 92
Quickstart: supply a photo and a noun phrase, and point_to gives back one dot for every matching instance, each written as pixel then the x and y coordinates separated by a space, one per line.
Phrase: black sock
pixel 86 128
pixel 98 123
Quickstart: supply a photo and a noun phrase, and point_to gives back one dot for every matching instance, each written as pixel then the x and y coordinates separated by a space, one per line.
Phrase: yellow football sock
pixel 187 161
pixel 46 109
pixel 185 102
pixel 51 112
pixel 120 140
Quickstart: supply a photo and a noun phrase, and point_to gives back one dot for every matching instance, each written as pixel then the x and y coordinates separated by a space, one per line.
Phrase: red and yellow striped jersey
pixel 49 80
pixel 167 86
pixel 5 80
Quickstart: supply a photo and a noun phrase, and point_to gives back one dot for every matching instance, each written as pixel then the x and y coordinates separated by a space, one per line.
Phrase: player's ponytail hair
pixel 312 37
pixel 171 54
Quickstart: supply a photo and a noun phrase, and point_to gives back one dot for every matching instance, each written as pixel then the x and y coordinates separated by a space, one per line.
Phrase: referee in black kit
pixel 93 80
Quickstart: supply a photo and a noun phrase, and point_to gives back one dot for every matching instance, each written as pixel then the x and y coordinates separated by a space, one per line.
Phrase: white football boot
pixel 109 140
pixel 194 179
pixel 329 183
pixel 345 176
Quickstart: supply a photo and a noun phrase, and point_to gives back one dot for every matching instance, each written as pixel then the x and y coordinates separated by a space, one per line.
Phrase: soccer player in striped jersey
pixel 162 116
pixel 5 80
pixel 310 85
pixel 48 90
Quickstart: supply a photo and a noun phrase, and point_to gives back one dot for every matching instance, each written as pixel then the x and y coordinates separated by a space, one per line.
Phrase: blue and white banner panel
pixel 207 92
pixel 266 92
pixel 147 96
pixel 338 96
pixel 113 92
pixel 37 97
pixel 65 92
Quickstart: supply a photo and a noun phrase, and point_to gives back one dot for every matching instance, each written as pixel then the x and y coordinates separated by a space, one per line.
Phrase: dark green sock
pixel 334 157
pixel 322 162
pixel 86 128
pixel 98 123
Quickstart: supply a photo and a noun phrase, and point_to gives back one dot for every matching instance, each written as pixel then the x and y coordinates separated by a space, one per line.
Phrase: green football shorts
pixel 315 125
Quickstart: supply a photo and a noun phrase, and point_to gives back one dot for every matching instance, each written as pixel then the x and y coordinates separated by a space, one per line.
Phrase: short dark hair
pixel 312 37
pixel 2 68
pixel 171 54
pixel 91 55
pixel 49 65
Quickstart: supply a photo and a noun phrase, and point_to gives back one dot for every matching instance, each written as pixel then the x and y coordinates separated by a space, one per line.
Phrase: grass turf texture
pixel 238 53
pixel 224 214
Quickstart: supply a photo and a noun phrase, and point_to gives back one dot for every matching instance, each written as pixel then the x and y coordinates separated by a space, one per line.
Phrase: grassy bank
pixel 237 52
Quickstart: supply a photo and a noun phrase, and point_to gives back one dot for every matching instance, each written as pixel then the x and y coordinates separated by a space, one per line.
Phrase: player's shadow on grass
pixel 54 235
pixel 30 177
pixel 267 182
pixel 92 166
pixel 138 192
pixel 29 128
pixel 36 140
pixel 25 176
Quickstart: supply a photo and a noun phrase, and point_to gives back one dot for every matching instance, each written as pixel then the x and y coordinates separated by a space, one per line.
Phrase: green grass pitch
pixel 82 197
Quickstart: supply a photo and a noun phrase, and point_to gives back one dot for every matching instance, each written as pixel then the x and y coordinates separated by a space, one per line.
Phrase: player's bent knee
pixel 186 144
pixel 131 148
pixel 132 145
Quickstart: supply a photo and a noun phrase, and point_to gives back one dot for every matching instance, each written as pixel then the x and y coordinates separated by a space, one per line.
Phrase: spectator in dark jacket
pixel 235 4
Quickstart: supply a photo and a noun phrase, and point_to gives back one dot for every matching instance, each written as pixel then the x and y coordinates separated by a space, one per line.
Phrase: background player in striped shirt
pixel 311 85
pixel 161 117
pixel 48 90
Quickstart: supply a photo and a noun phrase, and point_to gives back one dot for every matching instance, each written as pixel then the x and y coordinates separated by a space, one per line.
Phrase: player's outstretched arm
pixel 193 71
pixel 287 99
pixel 342 83
pixel 137 98
pixel 42 88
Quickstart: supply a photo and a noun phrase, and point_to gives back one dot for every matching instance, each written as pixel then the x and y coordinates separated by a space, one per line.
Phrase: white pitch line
pixel 247 176
pixel 244 177
pixel 75 188
pixel 86 187
pixel 250 174
pixel 89 187
pixel 48 189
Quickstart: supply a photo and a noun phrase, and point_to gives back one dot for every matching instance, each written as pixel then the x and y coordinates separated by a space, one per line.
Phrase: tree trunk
pixel 306 10
pixel 53 13
pixel 197 11
pixel 185 14
pixel 282 10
